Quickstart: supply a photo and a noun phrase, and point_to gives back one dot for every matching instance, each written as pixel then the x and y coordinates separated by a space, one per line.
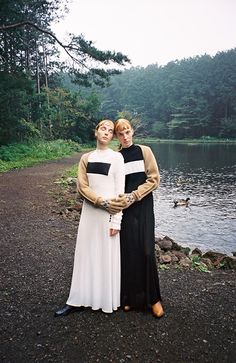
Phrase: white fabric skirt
pixel 96 273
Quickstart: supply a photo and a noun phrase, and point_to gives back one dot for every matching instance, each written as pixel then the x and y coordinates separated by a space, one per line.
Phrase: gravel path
pixel 37 248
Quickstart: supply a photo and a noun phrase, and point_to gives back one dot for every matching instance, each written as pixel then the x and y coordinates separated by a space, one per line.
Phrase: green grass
pixel 68 173
pixel 198 265
pixel 72 172
pixel 163 267
pixel 16 156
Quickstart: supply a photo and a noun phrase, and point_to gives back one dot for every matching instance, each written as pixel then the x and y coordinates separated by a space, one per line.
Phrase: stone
pixel 185 262
pixel 229 262
pixel 176 246
pixel 174 259
pixel 71 181
pixel 77 207
pixel 165 243
pixel 217 262
pixel 214 256
pixel 180 255
pixel 197 252
pixel 185 250
pixel 207 262
pixel 165 259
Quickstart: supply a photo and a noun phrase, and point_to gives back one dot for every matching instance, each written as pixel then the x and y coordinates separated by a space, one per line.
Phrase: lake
pixel 206 174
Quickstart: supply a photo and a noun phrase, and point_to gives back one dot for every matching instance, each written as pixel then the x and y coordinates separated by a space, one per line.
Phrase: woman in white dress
pixel 96 273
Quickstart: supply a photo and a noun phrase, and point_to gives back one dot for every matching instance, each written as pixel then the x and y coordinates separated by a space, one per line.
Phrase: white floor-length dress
pixel 96 273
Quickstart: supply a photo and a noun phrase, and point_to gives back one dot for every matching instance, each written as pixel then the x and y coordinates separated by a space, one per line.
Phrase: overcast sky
pixel 154 31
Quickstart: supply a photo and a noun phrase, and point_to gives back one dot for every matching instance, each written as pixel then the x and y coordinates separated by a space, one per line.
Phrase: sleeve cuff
pixel 115 225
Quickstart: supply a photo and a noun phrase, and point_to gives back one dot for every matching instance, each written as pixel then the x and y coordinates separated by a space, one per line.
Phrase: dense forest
pixel 190 98
pixel 43 97
pixel 33 101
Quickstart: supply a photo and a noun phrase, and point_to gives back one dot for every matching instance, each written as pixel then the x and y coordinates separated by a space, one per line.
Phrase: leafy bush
pixel 22 155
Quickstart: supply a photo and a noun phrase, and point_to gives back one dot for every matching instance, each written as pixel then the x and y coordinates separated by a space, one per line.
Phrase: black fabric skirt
pixel 139 277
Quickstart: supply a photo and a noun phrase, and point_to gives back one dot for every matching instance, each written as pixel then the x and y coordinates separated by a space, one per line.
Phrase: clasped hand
pixel 123 201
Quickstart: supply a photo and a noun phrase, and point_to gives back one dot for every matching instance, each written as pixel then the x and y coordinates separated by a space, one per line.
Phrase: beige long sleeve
pixel 82 182
pixel 152 172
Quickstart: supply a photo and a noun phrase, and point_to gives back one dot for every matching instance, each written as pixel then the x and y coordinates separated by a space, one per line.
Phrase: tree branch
pixel 29 23
pixel 80 51
pixel 78 45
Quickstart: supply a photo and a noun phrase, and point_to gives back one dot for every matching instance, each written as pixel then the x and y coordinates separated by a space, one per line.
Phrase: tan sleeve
pixel 152 171
pixel 83 183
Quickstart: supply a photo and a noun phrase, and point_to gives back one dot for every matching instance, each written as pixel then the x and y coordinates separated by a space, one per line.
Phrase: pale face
pixel 125 137
pixel 104 134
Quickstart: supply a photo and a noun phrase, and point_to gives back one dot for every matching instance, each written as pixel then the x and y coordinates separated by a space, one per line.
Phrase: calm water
pixel 206 173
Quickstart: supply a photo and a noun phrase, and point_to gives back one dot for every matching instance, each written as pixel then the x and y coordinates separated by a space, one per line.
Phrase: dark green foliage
pixel 34 104
pixel 37 150
pixel 15 95
pixel 191 98
pixel 26 154
pixel 72 116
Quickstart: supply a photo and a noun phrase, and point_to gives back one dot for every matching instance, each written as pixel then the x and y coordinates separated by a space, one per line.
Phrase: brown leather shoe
pixel 127 308
pixel 157 310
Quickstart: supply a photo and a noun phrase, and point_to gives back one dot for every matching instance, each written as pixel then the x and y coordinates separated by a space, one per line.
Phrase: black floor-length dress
pixel 139 276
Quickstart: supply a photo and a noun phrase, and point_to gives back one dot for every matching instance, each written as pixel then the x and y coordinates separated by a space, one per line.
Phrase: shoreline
pixel 203 248
pixel 168 252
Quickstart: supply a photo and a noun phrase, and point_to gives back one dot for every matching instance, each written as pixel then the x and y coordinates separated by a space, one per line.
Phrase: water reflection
pixel 206 174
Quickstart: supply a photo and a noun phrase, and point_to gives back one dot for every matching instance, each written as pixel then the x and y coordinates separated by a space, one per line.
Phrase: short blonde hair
pixel 103 122
pixel 122 124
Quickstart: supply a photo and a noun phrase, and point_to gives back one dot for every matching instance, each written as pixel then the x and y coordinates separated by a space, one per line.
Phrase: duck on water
pixel 181 202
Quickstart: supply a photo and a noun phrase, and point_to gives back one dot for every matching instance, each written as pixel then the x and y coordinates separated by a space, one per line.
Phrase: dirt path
pixel 37 248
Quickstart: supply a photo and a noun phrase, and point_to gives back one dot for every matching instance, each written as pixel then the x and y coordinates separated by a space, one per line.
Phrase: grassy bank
pixel 16 156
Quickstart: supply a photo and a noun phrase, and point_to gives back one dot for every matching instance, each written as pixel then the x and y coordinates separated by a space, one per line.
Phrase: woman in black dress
pixel 139 277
